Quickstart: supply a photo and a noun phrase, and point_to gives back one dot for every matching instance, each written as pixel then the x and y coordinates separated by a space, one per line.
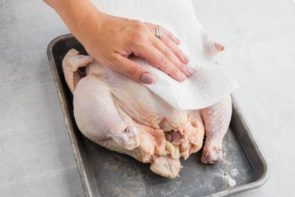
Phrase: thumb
pixel 131 69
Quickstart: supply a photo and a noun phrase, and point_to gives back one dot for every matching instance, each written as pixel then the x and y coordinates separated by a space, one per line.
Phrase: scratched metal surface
pixel 108 173
pixel 120 175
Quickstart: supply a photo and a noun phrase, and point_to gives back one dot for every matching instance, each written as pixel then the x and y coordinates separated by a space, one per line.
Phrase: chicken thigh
pixel 124 116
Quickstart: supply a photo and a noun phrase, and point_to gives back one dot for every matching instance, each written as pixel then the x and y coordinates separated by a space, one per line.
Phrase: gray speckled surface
pixel 196 179
pixel 36 156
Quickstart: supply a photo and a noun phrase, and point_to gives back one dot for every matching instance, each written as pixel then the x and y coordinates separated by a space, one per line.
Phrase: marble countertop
pixel 36 156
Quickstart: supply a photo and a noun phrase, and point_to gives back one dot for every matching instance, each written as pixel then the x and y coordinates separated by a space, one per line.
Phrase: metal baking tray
pixel 107 173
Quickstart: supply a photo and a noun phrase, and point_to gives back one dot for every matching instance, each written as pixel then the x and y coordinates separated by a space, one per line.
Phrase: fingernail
pixel 186 59
pixel 191 71
pixel 186 71
pixel 147 78
pixel 219 46
pixel 180 76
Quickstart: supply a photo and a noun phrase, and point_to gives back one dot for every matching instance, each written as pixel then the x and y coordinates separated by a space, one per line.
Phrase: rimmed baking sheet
pixel 106 173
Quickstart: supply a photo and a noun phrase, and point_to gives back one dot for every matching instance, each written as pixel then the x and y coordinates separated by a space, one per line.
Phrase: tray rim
pixel 78 155
pixel 70 130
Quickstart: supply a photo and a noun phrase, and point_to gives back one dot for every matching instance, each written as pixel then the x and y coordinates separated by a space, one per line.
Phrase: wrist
pixel 77 14
pixel 55 3
pixel 89 23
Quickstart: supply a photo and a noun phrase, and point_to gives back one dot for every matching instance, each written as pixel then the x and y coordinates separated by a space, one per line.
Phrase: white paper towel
pixel 209 83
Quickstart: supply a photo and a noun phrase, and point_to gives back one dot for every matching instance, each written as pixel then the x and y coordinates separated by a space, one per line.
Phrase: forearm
pixel 77 15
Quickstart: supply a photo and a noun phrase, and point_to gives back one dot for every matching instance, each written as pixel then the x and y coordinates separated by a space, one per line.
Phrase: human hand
pixel 113 39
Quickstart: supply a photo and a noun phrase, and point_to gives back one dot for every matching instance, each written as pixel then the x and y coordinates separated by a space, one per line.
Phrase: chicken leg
pixel 96 113
pixel 92 98
pixel 216 119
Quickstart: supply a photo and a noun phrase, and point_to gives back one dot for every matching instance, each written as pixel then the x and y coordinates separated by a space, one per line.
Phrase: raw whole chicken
pixel 130 118
pixel 125 116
